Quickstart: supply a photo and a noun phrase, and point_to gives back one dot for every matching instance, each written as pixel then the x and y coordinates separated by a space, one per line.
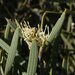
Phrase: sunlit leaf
pixel 4 45
pixel 7 30
pixel 57 27
pixel 33 58
pixel 12 51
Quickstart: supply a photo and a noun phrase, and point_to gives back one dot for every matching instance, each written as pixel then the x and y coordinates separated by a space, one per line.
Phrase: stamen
pixel 32 33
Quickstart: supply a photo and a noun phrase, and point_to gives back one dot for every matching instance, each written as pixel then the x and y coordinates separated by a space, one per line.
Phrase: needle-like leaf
pixel 7 30
pixel 12 51
pixel 57 27
pixel 33 58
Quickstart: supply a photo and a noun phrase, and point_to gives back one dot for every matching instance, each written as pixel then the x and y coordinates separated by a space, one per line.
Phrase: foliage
pixel 27 48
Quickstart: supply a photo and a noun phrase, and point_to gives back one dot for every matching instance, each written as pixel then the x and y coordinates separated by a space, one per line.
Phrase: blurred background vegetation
pixel 61 53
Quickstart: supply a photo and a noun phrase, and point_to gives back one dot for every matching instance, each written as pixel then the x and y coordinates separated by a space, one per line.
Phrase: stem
pixel 46 12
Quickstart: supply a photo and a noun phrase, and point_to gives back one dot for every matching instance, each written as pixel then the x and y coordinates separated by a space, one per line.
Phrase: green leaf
pixel 7 30
pixel 33 59
pixel 69 23
pixel 4 45
pixel 66 42
pixel 24 73
pixel 12 51
pixel 65 63
pixel 57 27
pixel 12 24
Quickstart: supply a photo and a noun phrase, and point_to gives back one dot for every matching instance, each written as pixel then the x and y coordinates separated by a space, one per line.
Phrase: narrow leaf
pixel 12 24
pixel 33 59
pixel 4 45
pixel 57 27
pixel 7 30
pixel 12 51
pixel 65 63
pixel 69 23
pixel 23 73
pixel 66 42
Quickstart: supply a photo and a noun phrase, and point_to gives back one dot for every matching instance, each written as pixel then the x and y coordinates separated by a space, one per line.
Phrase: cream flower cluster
pixel 30 33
